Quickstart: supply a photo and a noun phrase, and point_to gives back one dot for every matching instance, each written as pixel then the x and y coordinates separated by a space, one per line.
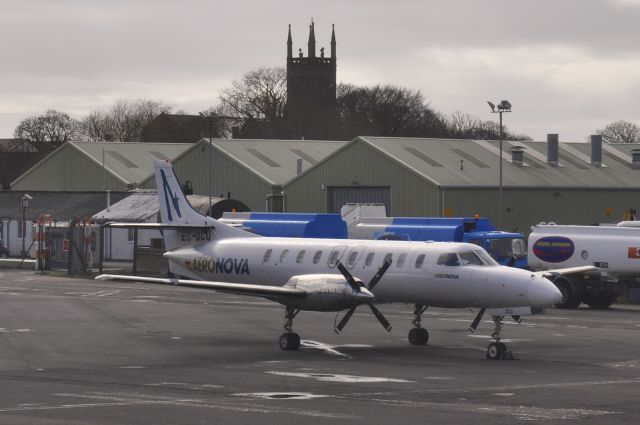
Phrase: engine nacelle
pixel 326 292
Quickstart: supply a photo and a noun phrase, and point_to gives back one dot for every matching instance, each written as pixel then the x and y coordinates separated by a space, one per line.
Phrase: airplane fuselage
pixel 417 275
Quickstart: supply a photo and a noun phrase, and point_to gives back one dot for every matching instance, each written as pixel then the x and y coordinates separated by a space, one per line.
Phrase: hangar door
pixel 339 195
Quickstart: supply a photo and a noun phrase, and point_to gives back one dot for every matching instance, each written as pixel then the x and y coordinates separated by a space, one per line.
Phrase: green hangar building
pixel 568 183
pixel 551 181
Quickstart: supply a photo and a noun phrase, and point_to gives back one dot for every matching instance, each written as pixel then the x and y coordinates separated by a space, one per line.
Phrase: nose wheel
pixel 498 350
pixel 289 340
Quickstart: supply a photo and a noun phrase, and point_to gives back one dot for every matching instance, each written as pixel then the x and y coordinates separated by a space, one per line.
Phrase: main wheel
pixel 496 350
pixel 418 336
pixel 289 341
pixel 570 299
pixel 601 301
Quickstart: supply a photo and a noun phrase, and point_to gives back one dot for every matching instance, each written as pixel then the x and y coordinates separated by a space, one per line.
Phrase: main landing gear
pixel 289 340
pixel 418 335
pixel 497 350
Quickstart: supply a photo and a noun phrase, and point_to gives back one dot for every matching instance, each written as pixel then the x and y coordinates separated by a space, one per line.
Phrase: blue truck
pixel 369 221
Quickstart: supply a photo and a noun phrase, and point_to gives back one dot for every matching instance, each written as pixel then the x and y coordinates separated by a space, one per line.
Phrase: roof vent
pixel 596 150
pixel 635 157
pixel 517 155
pixel 552 149
pixel 299 167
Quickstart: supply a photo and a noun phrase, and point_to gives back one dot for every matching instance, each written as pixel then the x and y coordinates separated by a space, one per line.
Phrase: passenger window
pixel 401 260
pixel 300 256
pixel 369 259
pixel 316 257
pixel 283 255
pixel 420 261
pixel 448 259
pixel 351 261
pixel 387 257
pixel 336 255
pixel 267 256
pixel 334 258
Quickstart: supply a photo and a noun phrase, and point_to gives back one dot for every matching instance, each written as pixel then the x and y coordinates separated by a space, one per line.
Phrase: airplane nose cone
pixel 543 292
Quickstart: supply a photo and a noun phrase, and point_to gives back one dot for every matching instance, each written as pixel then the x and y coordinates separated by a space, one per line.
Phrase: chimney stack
pixel 596 150
pixel 552 149
pixel 635 157
pixel 517 155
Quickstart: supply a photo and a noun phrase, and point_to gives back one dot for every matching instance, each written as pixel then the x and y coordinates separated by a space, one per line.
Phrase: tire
pixel 496 350
pixel 418 336
pixel 601 301
pixel 570 299
pixel 289 341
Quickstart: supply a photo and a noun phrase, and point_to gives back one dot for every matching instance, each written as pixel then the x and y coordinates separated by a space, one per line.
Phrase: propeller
pixel 357 285
pixel 477 320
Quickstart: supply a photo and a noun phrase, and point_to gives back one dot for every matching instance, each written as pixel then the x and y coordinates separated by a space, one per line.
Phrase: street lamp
pixel 503 106
pixel 24 203
pixel 210 116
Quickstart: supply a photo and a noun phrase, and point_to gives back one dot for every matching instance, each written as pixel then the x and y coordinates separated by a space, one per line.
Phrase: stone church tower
pixel 310 111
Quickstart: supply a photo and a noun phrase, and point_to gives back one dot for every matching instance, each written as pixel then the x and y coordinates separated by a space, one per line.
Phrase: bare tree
pixel 461 125
pixel 258 101
pixel 620 132
pixel 44 132
pixel 386 111
pixel 124 122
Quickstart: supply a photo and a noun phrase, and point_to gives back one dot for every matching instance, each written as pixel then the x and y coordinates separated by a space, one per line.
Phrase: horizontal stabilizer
pixel 568 270
pixel 236 288
pixel 158 226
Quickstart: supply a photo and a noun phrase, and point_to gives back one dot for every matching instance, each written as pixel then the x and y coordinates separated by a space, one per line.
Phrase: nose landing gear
pixel 497 350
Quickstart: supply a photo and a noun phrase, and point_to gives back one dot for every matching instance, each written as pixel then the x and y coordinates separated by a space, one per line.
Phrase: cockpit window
pixel 476 258
pixel 448 259
pixel 486 258
pixel 470 258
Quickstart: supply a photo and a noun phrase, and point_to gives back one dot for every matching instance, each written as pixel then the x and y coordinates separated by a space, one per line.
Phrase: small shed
pixel 58 206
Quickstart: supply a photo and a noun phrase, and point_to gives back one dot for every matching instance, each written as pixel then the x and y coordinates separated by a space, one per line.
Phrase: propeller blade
pixel 477 320
pixel 380 317
pixel 344 320
pixel 349 277
pixel 381 271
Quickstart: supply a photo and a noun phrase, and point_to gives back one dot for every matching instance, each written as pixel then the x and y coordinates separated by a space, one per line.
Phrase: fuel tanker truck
pixel 614 249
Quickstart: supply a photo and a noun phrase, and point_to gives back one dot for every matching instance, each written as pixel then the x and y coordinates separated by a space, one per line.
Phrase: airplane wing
pixel 235 288
pixel 567 270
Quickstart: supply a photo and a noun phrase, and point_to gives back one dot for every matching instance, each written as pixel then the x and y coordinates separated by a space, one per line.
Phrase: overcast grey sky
pixel 567 66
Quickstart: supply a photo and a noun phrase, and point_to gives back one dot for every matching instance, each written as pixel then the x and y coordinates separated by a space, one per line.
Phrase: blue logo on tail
pixel 167 195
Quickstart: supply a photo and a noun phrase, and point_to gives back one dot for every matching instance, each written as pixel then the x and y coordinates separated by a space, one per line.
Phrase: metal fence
pixel 65 247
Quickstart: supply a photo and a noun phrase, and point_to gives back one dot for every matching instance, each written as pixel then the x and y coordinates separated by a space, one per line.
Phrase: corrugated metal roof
pixel 132 162
pixel 61 206
pixel 141 205
pixel 275 161
pixel 439 160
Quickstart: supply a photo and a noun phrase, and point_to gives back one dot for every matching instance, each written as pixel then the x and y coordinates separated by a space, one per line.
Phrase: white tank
pixel 616 250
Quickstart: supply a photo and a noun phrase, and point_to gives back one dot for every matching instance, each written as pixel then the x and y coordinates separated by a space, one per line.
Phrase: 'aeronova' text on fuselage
pixel 447 276
pixel 220 265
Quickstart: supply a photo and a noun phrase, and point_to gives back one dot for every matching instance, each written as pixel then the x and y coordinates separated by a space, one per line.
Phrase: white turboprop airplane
pixel 329 274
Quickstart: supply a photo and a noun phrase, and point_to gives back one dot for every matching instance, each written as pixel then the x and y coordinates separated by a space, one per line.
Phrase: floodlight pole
pixel 210 117
pixel 503 106
pixel 24 203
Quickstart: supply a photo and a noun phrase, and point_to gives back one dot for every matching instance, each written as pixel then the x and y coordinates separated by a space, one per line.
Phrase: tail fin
pixel 176 210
